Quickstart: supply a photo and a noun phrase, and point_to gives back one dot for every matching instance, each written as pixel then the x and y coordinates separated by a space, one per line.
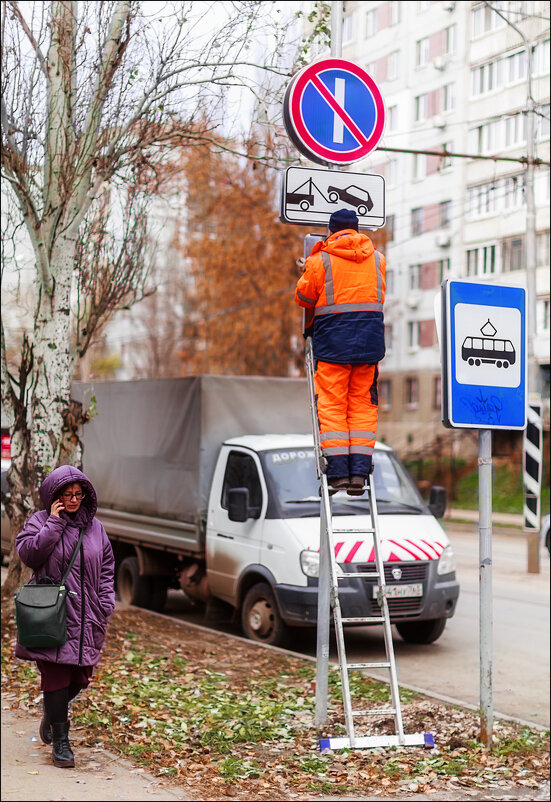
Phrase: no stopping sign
pixel 334 112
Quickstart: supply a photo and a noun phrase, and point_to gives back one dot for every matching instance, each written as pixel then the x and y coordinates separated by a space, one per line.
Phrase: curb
pixel 449 700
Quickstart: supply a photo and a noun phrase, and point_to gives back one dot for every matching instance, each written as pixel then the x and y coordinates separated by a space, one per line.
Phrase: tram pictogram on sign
pixel 334 112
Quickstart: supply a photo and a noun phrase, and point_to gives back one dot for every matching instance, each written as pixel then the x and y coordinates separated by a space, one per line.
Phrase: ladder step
pixel 383 711
pixel 374 619
pixel 353 666
pixel 359 576
pixel 353 531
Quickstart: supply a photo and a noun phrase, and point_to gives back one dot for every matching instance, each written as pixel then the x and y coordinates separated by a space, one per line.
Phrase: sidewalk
pixel 28 772
pixel 498 518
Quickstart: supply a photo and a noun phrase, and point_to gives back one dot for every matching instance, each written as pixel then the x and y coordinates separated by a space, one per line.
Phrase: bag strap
pixel 73 558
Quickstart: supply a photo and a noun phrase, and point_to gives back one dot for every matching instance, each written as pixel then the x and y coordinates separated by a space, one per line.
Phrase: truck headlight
pixel 446 563
pixel 310 563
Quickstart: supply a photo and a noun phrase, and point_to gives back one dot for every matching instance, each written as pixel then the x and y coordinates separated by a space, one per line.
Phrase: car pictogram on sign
pixel 355 196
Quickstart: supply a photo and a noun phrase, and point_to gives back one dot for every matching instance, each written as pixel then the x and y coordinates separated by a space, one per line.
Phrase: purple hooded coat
pixel 46 544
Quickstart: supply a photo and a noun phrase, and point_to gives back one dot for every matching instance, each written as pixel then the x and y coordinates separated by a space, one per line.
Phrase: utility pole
pixel 531 290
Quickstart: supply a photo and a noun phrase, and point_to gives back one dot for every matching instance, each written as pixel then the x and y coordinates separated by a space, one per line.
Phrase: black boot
pixel 62 754
pixel 45 730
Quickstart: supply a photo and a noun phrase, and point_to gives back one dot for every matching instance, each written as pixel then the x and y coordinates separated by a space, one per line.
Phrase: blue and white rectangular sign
pixel 484 355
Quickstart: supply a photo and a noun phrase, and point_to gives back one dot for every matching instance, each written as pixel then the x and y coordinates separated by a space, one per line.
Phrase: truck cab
pixel 262 541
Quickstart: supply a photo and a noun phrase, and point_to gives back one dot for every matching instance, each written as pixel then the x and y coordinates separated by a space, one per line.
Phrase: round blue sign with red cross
pixel 334 112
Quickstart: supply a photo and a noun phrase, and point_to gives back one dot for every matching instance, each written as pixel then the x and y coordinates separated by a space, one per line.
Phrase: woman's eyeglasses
pixel 68 496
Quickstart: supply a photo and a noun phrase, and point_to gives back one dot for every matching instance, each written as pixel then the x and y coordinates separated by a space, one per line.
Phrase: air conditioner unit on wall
pixel 439 63
pixel 438 121
pixel 448 6
pixel 443 240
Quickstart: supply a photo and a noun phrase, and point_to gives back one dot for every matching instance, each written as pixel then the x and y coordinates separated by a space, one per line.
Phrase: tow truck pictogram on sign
pixel 312 195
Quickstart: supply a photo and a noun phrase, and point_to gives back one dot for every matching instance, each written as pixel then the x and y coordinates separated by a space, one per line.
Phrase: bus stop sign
pixel 483 355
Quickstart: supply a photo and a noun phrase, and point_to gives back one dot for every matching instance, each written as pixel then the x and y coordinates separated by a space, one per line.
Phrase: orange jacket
pixel 344 284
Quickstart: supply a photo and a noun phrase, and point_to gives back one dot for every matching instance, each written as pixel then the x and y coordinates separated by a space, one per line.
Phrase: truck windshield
pixel 291 475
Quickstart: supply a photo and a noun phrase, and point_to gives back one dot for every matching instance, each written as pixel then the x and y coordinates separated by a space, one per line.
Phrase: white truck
pixel 203 487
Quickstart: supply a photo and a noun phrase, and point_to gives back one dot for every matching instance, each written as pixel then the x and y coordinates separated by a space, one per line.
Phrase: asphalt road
pixel 450 667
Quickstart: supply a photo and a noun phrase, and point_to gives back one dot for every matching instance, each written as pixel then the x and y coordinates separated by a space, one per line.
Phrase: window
pixel 512 254
pixel 419 165
pixel 436 392
pixel 541 58
pixel 393 118
pixel 487 77
pixel 445 161
pixel 448 102
pixel 393 65
pixel 412 392
pixel 542 248
pixel 513 194
pixel 389 228
pixel 413 277
pixel 542 122
pixel 450 41
pixel 422 52
pixel 483 199
pixel 349 27
pixel 444 268
pixel 481 261
pixel 389 338
pixel 413 334
pixel 515 67
pixel 392 172
pixel 417 221
pixel 445 213
pixel 385 393
pixel 371 23
pixel 484 20
pixel 421 106
pixel 389 282
pixel 395 13
pixel 543 314
pixel 241 471
pixel 515 130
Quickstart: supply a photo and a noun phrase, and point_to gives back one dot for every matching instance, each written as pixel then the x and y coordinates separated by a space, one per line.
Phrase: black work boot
pixel 62 754
pixel 45 730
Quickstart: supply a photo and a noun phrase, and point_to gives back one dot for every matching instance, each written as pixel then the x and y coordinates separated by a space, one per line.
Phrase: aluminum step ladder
pixel 352 740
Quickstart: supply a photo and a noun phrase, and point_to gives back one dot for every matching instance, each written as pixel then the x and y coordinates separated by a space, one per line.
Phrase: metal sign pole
pixel 485 578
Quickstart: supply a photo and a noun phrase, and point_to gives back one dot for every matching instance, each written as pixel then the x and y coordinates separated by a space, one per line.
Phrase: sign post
pixel 334 114
pixel 484 387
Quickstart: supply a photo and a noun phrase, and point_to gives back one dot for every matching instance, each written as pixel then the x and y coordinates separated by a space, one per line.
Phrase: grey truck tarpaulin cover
pixel 151 446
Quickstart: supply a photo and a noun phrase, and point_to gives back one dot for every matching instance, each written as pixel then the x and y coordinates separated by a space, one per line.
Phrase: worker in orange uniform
pixel 344 285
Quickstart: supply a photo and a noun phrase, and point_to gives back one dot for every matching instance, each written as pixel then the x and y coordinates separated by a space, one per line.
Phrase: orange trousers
pixel 348 413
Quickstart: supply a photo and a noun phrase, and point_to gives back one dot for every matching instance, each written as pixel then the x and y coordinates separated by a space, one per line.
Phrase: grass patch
pixel 507 492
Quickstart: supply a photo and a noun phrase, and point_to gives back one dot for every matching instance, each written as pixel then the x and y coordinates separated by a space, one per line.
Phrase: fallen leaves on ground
pixel 225 718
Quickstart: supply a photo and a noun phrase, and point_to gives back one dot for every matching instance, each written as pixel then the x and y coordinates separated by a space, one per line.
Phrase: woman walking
pixel 46 544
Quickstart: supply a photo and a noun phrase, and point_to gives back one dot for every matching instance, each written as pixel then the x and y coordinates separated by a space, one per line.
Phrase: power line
pixel 447 154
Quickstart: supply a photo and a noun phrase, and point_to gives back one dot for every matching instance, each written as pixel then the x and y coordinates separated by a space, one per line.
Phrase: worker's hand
pixel 301 265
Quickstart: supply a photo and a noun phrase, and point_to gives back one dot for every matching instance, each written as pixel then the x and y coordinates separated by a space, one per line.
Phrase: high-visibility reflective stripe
pixel 361 433
pixel 361 450
pixel 329 290
pixel 337 308
pixel 377 256
pixel 334 435
pixel 305 299
pixel 335 451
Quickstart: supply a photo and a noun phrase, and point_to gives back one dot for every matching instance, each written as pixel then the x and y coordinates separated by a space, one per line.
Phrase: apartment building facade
pixel 454 78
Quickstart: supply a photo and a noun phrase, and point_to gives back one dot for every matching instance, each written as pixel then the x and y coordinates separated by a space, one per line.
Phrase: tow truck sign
pixel 310 196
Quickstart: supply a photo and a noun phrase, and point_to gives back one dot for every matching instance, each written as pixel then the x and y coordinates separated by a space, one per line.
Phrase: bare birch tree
pixel 92 92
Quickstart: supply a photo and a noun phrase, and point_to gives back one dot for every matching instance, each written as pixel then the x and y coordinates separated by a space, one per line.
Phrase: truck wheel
pixel 260 617
pixel 422 631
pixel 133 588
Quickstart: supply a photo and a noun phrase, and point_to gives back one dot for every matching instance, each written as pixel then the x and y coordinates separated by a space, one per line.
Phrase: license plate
pixel 400 591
